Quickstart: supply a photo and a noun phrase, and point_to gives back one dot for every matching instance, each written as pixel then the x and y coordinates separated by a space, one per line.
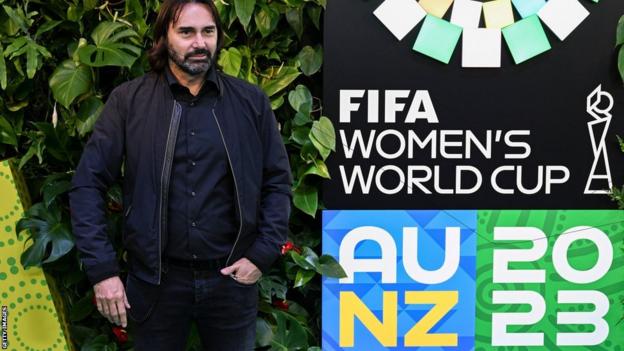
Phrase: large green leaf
pixel 621 62
pixel 88 113
pixel 277 78
pixel 57 141
pixel 266 19
pixel 300 99
pixel 305 198
pixel 230 60
pixel 50 234
pixel 69 81
pixel 113 46
pixel 323 136
pixel 7 134
pixel 310 59
pixel 289 334
pixel 329 267
pixel 294 16
pixel 244 10
pixel 303 276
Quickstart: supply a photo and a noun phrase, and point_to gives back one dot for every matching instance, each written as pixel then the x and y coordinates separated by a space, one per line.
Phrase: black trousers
pixel 223 309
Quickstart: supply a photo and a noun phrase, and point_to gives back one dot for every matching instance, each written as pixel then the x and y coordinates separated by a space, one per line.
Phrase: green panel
pixel 526 39
pixel 437 39
pixel 582 255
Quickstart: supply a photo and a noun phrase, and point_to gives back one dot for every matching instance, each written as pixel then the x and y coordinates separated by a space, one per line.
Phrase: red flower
pixel 290 246
pixel 120 334
pixel 281 304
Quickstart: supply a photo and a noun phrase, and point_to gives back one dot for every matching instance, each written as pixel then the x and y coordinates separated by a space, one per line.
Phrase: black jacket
pixel 138 129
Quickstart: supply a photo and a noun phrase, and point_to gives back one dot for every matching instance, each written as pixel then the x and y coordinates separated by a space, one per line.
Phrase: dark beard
pixel 194 67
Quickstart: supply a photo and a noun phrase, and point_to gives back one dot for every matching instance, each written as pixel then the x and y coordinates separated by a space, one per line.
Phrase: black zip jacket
pixel 138 128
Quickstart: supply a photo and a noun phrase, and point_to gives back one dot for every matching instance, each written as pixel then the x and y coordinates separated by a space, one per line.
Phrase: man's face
pixel 192 39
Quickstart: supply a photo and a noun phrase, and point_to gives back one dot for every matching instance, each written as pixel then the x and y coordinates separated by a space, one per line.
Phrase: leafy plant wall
pixel 59 60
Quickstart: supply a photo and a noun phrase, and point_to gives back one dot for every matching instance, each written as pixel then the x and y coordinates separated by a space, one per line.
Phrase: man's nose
pixel 199 41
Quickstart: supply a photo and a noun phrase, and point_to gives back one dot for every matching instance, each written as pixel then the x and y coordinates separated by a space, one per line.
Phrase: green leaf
pixel 289 333
pixel 301 261
pixel 3 70
pixel 35 149
pixel 46 27
pixel 88 113
pixel 621 62
pixel 300 135
pixel 314 12
pixel 230 60
pixel 277 102
pixel 70 81
pixel 244 10
pixel 300 99
pixel 109 50
pixel 294 16
pixel 620 142
pixel 55 185
pixel 619 39
pixel 266 19
pixel 17 17
pixel 48 232
pixel 57 141
pixel 319 169
pixel 303 276
pixel 306 199
pixel 278 78
pixel 264 333
pixel 323 136
pixel 329 267
pixel 310 59
pixel 7 134
pixel 301 119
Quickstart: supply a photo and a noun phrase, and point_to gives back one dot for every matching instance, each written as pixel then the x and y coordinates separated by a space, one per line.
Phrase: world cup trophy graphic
pixel 599 105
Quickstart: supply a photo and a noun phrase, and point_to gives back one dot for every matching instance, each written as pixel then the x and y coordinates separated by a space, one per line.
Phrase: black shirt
pixel 201 220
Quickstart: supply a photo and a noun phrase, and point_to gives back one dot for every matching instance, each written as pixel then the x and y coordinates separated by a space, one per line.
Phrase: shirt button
pixel 193 224
pixel 194 256
pixel 192 132
pixel 192 103
pixel 192 193
pixel 193 163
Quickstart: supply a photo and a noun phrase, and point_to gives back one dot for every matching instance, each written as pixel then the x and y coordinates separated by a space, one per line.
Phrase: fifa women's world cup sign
pixel 476 148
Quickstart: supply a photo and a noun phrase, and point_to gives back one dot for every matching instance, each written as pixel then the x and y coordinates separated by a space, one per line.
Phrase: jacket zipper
pixel 240 209
pixel 165 175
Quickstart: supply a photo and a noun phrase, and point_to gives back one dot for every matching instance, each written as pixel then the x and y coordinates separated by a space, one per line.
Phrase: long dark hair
pixel 169 13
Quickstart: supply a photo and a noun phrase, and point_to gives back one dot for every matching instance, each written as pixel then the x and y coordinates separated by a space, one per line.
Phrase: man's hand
pixel 111 300
pixel 243 271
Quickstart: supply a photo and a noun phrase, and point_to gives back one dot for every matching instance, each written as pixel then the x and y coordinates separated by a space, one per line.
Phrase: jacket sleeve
pixel 275 193
pixel 98 168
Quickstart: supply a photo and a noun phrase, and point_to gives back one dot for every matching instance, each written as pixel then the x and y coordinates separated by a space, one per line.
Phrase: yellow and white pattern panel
pixel 29 318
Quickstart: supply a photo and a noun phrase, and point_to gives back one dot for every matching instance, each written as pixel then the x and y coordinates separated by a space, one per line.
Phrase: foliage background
pixel 59 60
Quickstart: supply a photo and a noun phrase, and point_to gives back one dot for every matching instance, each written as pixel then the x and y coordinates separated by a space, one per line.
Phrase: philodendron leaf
pixel 277 78
pixel 300 99
pixel 329 267
pixel 310 59
pixel 303 276
pixel 69 81
pixel 244 10
pixel 231 59
pixel 305 198
pixel 48 232
pixel 621 62
pixel 113 46
pixel 323 136
pixel 619 39
pixel 3 70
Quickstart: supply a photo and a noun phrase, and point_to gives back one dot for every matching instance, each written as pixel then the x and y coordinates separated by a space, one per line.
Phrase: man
pixel 206 191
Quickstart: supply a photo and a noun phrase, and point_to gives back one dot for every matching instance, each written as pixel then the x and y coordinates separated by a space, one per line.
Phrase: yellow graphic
pixel 498 13
pixel 32 323
pixel 436 7
pixel 351 306
pixel 443 302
